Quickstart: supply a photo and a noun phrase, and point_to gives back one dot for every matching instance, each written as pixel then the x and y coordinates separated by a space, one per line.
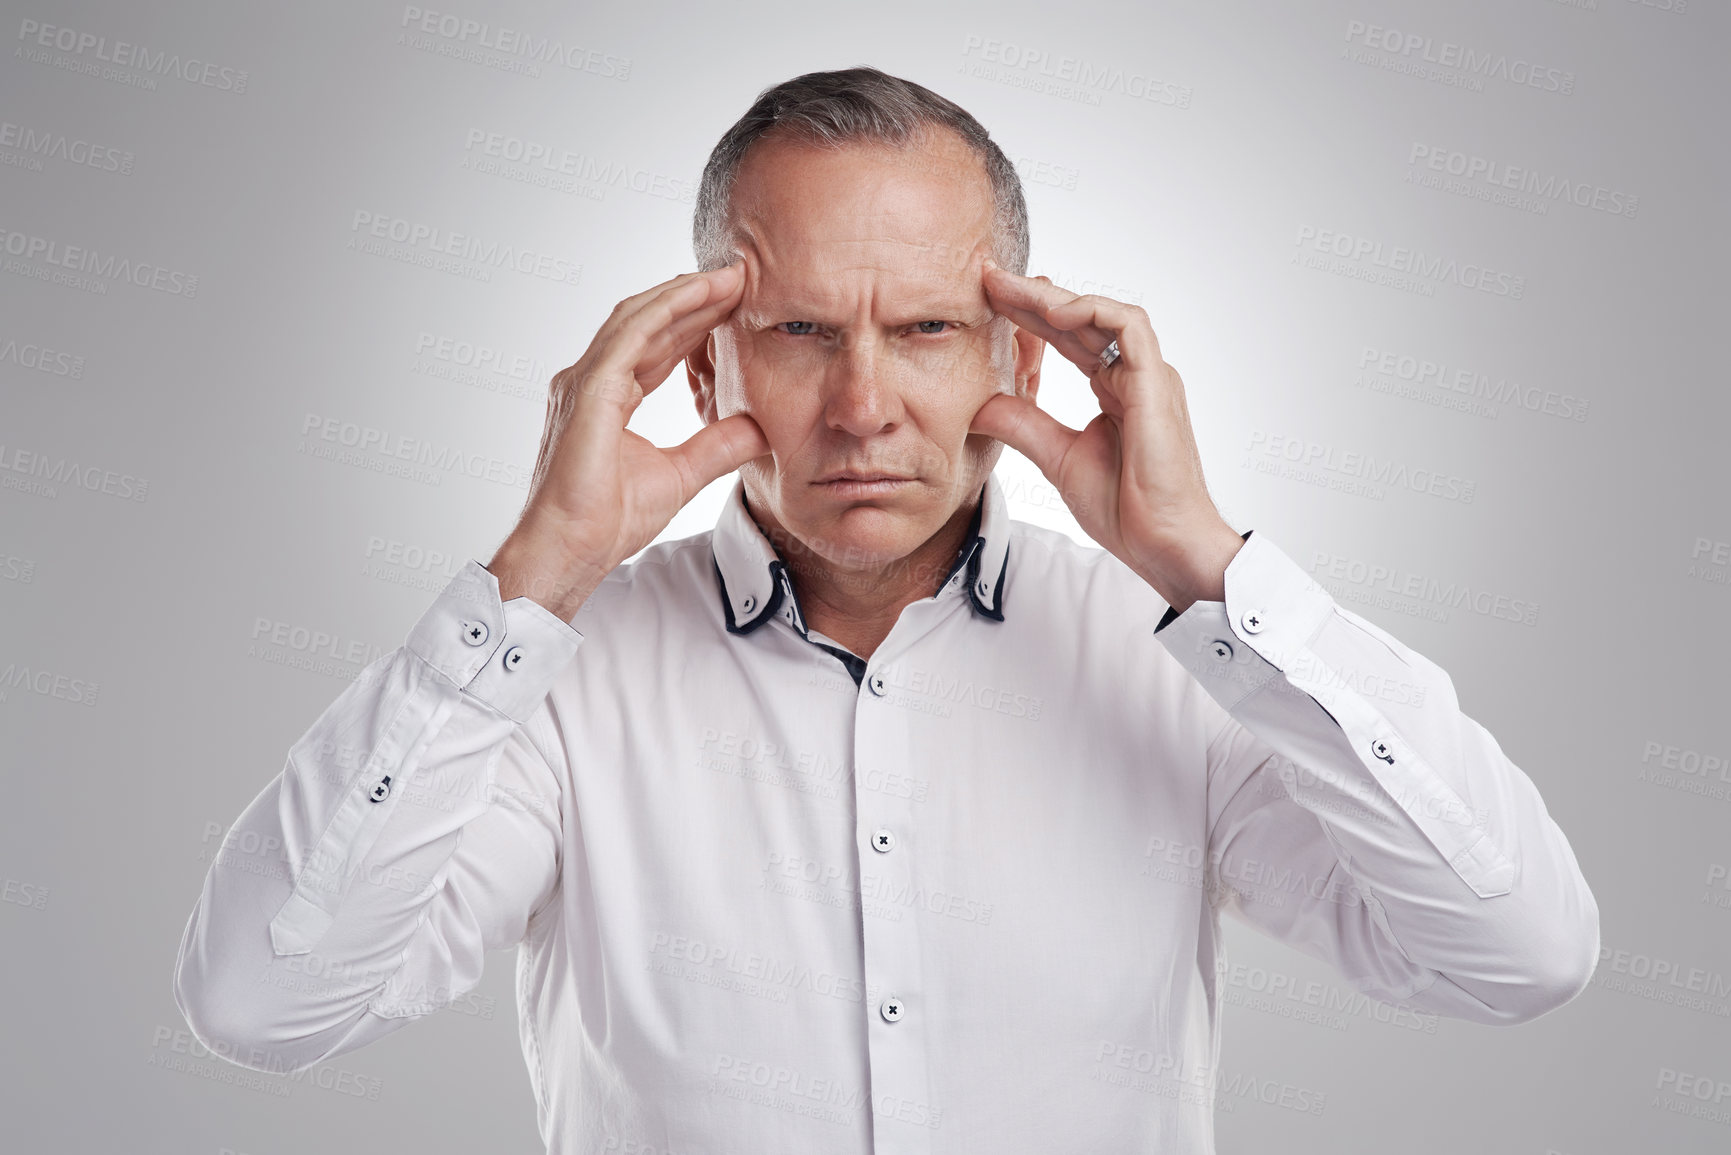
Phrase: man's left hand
pixel 1132 477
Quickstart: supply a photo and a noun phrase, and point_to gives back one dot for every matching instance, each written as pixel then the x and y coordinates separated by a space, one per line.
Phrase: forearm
pixel 288 950
pixel 1446 842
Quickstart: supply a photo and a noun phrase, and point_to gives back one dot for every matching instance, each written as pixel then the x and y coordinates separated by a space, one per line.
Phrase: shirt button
pixel 1221 649
pixel 475 633
pixel 877 684
pixel 381 790
pixel 1252 621
pixel 891 1009
pixel 1383 750
pixel 883 840
pixel 514 657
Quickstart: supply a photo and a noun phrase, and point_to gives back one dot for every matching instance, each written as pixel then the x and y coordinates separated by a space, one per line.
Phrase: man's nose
pixel 862 396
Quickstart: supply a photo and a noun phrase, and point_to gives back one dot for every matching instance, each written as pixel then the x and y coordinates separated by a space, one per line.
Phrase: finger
pixel 1026 428
pixel 1110 404
pixel 1029 302
pixel 624 344
pixel 634 304
pixel 666 349
pixel 717 449
pixel 666 324
pixel 1128 323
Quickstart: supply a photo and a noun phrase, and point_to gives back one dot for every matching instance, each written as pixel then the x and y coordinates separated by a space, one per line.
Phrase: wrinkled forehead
pixel 820 225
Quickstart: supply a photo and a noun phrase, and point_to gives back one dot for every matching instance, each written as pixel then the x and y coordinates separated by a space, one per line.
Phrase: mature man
pixel 873 819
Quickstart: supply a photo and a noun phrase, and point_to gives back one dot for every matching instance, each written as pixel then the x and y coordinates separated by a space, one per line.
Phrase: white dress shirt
pixel 963 895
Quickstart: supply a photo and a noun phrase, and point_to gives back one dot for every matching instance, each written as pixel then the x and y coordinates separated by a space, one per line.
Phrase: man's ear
pixel 1030 351
pixel 700 372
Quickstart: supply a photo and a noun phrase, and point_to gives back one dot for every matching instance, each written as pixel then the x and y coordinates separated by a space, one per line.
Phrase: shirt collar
pixel 755 585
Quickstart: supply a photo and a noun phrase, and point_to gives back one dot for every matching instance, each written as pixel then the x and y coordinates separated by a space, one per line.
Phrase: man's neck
pixel 859 607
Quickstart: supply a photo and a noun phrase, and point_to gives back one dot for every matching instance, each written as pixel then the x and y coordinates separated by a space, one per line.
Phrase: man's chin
pixel 862 535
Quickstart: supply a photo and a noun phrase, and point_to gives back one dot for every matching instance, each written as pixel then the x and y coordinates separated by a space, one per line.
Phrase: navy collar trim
pixel 755 586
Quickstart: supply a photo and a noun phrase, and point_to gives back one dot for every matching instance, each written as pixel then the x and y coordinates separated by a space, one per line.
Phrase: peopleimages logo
pixel 1444 59
pixel 29 355
pixel 426 244
pixel 1069 77
pixel 514 44
pixel 36 36
pixel 1347 470
pixel 42 474
pixel 1472 386
pixel 1515 185
pixel 541 163
pixel 87 268
pixel 26 146
pixel 1388 587
pixel 1399 266
pixel 385 451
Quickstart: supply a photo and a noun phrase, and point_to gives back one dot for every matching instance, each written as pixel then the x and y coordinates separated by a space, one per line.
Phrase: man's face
pixel 863 343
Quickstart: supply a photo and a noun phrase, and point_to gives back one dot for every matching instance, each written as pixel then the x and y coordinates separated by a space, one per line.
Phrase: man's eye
pixel 794 329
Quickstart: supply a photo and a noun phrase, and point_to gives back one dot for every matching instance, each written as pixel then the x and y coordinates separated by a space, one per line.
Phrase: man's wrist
pixel 1196 570
pixel 559 584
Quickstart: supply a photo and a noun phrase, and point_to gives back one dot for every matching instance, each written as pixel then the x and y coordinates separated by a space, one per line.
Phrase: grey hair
pixel 830 109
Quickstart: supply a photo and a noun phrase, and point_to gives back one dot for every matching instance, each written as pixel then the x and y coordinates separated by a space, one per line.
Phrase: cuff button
pixel 475 633
pixel 514 657
pixel 1221 649
pixel 1252 621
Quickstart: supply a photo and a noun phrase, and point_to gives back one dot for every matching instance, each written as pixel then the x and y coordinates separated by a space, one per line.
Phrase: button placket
pixel 888 737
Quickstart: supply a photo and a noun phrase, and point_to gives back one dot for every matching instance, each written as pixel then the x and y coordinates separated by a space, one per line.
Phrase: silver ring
pixel 1107 355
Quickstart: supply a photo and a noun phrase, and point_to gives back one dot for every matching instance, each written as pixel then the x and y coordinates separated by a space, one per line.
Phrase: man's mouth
pixel 862 476
pixel 846 483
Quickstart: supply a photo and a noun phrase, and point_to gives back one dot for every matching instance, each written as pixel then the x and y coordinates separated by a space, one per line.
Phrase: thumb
pixel 1026 428
pixel 718 448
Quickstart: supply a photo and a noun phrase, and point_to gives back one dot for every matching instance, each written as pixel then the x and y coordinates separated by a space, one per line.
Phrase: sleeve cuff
pixel 1171 615
pixel 1272 611
pixel 506 654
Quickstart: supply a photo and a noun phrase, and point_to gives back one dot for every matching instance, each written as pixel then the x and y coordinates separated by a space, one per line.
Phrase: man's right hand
pixel 600 493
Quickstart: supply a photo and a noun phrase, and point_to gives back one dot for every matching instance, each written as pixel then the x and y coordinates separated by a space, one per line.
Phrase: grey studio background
pixel 1438 277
